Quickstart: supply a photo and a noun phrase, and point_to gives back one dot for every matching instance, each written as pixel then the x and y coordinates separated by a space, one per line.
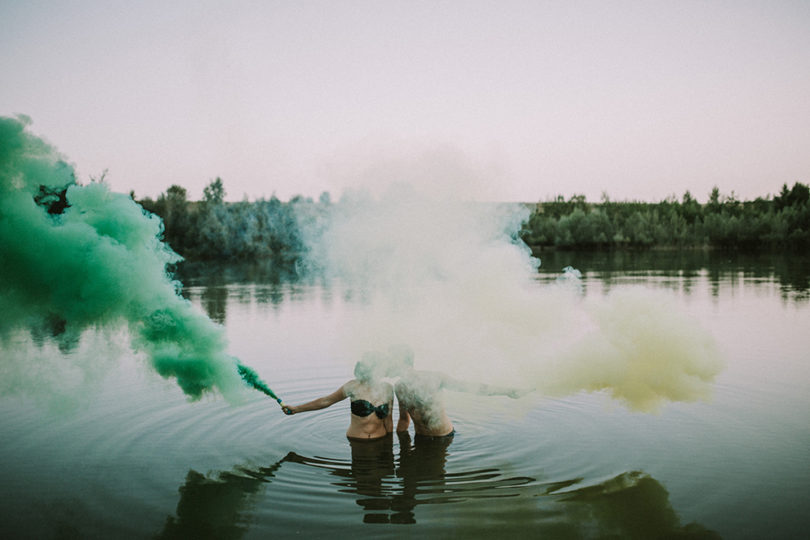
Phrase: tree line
pixel 724 222
pixel 212 229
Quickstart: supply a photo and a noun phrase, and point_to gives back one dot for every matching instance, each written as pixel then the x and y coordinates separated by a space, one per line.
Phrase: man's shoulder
pixel 403 387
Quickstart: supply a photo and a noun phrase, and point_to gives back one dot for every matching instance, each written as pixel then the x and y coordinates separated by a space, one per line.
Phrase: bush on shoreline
pixel 781 222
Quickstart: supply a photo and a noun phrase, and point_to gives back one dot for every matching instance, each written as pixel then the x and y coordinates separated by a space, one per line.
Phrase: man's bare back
pixel 419 394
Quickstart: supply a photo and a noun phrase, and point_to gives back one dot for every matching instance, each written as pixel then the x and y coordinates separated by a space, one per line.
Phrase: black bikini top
pixel 361 407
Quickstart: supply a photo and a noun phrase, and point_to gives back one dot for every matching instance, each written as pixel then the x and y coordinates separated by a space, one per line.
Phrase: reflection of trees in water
pixel 391 489
pixel 794 276
pixel 790 270
pixel 215 302
pixel 261 271
pixel 53 327
pixel 271 283
pixel 262 282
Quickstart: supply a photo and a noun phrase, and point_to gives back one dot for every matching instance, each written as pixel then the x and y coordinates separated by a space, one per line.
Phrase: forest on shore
pixel 213 229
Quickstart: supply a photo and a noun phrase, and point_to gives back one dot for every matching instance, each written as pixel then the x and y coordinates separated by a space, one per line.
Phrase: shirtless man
pixel 420 396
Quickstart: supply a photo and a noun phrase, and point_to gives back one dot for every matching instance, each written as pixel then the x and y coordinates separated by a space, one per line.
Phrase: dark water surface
pixel 135 459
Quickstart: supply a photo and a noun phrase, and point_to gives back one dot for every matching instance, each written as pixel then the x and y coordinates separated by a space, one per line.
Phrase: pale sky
pixel 513 100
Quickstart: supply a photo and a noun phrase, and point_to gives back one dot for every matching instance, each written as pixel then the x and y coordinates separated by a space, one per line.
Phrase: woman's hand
pixel 316 404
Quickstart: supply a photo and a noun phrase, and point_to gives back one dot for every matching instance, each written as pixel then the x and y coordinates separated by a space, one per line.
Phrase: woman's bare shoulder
pixel 350 388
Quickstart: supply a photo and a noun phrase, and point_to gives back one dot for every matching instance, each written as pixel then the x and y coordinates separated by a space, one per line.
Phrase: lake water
pixel 131 457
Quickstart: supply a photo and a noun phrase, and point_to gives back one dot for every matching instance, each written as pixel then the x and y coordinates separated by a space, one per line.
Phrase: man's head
pixel 374 365
pixel 400 359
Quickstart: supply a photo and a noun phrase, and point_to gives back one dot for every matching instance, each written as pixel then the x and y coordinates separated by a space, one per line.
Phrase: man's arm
pixel 404 418
pixel 482 389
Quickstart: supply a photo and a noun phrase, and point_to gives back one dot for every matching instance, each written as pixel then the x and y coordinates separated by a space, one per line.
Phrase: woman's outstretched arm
pixel 317 404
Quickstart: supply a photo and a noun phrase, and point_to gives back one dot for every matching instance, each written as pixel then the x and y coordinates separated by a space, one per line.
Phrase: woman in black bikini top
pixel 371 401
pixel 363 408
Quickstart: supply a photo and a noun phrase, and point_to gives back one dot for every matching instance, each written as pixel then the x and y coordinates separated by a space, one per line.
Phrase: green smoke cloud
pixel 78 257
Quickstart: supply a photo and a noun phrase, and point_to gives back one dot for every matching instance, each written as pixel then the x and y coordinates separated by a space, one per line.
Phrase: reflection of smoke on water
pixel 216 507
pixel 631 505
pixel 390 490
